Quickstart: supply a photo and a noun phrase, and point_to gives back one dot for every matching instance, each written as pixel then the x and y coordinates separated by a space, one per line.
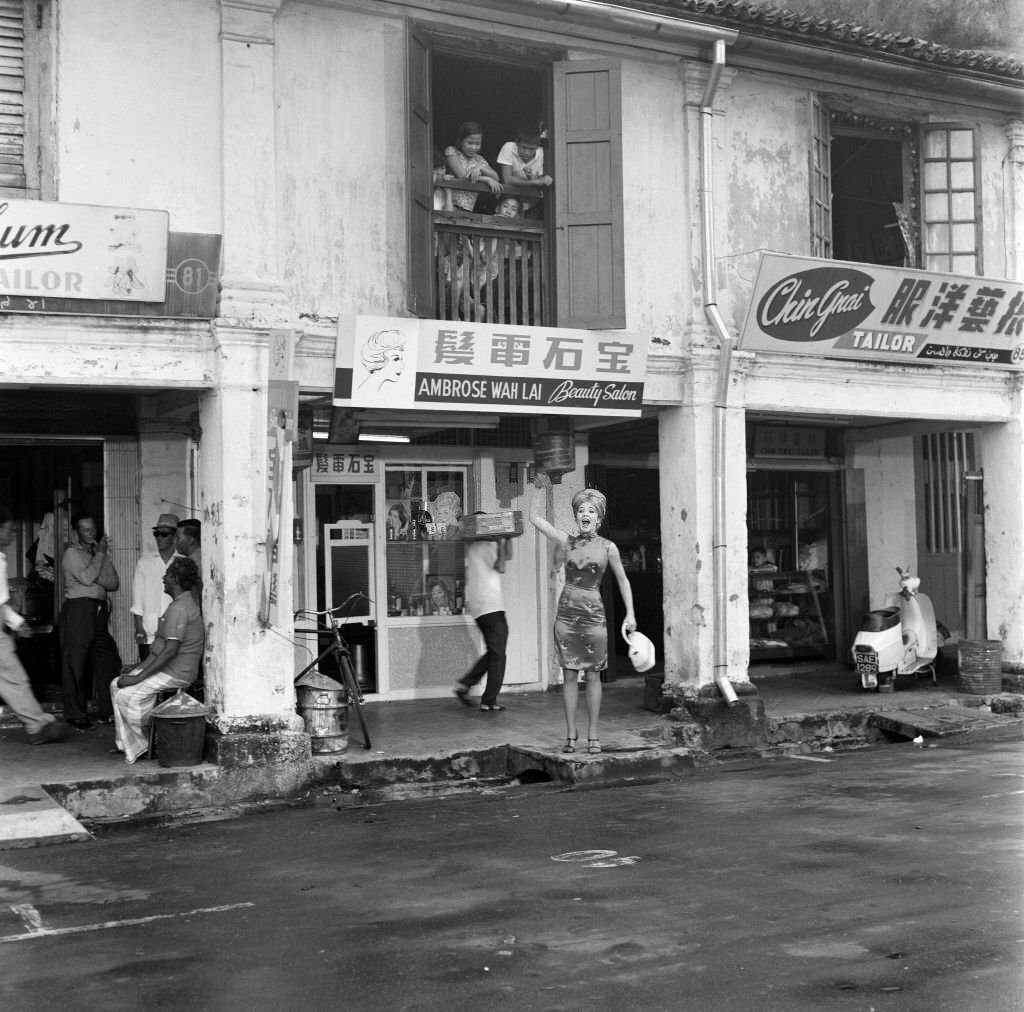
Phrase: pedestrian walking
pixel 485 562
pixel 15 687
pixel 581 631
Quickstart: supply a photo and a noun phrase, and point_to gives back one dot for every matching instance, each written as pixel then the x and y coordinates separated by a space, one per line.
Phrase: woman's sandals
pixel 570 744
pixel 593 745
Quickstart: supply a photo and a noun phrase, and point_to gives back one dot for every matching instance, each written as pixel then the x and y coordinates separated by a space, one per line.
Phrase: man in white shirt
pixel 149 601
pixel 15 688
pixel 485 562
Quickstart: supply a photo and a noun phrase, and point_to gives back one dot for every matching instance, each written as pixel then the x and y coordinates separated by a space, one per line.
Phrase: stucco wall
pixel 138 114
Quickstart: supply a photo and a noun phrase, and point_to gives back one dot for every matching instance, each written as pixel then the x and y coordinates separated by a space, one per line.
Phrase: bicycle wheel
pixel 355 697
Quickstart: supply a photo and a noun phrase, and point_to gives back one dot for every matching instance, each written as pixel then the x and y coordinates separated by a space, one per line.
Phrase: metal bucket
pixel 980 667
pixel 325 714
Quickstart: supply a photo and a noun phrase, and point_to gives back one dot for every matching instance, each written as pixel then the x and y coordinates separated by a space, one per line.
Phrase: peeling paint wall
pixel 138 112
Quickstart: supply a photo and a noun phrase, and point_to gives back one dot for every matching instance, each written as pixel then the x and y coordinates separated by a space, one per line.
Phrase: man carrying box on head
pixel 485 562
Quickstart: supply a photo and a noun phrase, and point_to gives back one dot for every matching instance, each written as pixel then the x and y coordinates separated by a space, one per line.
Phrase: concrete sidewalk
pixel 440 745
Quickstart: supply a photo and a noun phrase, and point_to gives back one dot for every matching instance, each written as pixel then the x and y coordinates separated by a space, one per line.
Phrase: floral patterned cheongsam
pixel 581 634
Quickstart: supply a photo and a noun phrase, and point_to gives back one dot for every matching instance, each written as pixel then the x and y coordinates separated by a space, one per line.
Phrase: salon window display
pixel 424 550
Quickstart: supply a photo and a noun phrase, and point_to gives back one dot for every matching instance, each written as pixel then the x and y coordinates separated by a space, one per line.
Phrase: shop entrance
pixel 346 565
pixel 791 530
pixel 44 484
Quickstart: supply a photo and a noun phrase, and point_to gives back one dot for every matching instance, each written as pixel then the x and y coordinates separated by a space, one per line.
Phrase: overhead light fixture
pixel 382 437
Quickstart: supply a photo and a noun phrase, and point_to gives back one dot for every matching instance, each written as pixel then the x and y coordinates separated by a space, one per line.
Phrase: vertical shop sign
pixel 282 420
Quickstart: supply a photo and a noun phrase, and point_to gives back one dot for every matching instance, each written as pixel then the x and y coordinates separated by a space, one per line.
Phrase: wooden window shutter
pixel 588 195
pixel 419 177
pixel 12 94
pixel 821 181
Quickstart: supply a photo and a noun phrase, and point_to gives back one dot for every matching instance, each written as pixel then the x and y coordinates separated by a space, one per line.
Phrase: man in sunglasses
pixel 149 600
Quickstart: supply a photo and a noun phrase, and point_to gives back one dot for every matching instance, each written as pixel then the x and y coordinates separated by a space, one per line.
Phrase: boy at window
pixel 522 162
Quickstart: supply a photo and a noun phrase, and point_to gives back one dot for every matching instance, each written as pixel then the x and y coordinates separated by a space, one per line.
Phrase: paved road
pixel 886 880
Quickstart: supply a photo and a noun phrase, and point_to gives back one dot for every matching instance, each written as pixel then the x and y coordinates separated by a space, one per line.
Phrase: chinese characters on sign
pixel 789 441
pixel 345 463
pixel 402 363
pixel 832 309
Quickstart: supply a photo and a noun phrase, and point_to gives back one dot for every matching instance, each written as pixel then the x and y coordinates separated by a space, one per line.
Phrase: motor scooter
pixel 900 639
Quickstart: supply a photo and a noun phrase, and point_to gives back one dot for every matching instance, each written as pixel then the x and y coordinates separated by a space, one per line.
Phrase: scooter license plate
pixel 867 668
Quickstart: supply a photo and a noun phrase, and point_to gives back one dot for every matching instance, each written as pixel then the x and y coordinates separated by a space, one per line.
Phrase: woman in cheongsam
pixel 581 631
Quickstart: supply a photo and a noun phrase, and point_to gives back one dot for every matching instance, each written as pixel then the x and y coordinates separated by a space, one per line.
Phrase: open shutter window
pixel 419 289
pixel 12 94
pixel 588 195
pixel 821 182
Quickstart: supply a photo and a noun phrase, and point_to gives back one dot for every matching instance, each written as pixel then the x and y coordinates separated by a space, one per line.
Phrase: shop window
pixel 896 194
pixel 560 262
pixel 425 554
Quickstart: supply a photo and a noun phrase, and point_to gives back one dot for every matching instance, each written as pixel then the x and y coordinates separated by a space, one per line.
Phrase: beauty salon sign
pixel 78 251
pixel 834 309
pixel 402 363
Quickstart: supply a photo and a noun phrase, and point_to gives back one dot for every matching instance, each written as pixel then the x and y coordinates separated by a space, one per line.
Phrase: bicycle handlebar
pixel 332 612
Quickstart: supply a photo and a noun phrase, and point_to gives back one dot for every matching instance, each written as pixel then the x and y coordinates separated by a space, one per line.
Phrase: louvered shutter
pixel 821 181
pixel 420 261
pixel 588 195
pixel 12 93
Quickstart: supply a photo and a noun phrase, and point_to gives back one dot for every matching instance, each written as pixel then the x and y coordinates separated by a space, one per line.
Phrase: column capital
pixel 248 21
pixel 253 305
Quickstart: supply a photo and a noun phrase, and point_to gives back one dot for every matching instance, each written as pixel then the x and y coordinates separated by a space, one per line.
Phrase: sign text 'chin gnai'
pixel 78 251
pixel 835 309
pixel 402 363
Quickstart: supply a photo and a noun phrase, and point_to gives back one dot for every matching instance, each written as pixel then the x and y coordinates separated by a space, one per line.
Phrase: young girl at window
pixel 465 162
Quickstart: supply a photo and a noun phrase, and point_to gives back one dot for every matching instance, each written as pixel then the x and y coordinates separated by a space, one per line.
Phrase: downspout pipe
pixel 714 317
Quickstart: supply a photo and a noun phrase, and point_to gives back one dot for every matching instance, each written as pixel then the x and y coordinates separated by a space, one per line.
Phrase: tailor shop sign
pixel 834 309
pixel 78 251
pixel 402 363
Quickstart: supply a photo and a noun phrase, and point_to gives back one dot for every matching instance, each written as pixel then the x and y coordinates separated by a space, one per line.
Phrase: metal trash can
pixel 180 731
pixel 980 667
pixel 323 705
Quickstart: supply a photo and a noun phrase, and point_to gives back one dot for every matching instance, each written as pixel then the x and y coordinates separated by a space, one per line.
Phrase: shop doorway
pixel 791 533
pixel 44 484
pixel 346 565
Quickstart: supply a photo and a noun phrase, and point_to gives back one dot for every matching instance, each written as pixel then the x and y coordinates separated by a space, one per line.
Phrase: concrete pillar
pixel 249 669
pixel 685 445
pixel 1002 456
pixel 251 292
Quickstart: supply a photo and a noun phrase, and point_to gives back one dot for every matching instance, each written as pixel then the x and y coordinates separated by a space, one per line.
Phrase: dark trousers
pixel 89 657
pixel 492 663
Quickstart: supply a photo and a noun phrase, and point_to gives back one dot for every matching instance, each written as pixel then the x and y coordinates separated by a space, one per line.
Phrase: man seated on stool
pixel 173 662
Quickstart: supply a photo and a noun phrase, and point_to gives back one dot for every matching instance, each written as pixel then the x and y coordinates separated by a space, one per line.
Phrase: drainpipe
pixel 721 665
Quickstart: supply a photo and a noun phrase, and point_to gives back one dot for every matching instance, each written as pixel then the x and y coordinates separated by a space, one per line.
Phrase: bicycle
pixel 339 649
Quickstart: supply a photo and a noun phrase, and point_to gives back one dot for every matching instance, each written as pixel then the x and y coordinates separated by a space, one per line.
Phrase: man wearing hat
pixel 149 600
